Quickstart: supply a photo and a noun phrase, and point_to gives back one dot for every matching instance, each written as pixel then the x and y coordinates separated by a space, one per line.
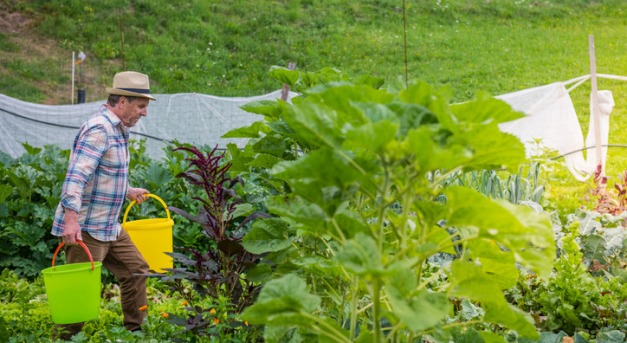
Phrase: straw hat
pixel 131 83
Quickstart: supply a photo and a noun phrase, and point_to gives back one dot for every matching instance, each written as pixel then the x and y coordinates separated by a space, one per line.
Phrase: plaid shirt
pixel 97 178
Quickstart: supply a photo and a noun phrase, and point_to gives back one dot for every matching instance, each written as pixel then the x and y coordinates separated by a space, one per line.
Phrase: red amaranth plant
pixel 221 200
pixel 219 270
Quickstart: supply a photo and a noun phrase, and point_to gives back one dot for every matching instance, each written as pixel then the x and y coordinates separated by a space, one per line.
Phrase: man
pixel 93 194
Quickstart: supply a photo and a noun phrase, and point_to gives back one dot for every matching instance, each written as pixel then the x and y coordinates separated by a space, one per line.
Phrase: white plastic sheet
pixel 188 117
pixel 551 123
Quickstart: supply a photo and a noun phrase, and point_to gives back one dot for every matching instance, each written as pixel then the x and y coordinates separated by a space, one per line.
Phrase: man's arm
pixel 71 229
pixel 88 149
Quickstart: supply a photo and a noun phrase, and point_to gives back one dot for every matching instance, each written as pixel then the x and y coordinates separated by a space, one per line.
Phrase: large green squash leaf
pixel 252 131
pixel 316 124
pixel 485 110
pixel 301 213
pixel 422 311
pixel 267 235
pixel 418 309
pixel 372 137
pixel 470 281
pixel 361 256
pixel 283 300
pixel 324 177
pixel 527 234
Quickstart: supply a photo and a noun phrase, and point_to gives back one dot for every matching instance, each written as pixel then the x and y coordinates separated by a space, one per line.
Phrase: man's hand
pixel 71 228
pixel 137 194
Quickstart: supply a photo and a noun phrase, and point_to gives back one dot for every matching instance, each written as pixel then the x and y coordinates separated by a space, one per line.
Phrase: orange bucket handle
pixel 152 196
pixel 91 259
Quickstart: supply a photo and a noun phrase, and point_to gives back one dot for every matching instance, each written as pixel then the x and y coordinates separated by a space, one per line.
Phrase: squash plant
pixel 30 188
pixel 361 216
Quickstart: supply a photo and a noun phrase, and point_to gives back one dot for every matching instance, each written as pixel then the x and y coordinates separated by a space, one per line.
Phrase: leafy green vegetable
pixel 368 198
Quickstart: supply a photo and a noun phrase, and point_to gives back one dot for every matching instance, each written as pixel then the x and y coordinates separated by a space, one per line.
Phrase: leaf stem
pixel 323 328
pixel 353 323
pixel 377 309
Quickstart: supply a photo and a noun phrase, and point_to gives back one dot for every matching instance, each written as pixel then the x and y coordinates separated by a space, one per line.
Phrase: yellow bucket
pixel 153 237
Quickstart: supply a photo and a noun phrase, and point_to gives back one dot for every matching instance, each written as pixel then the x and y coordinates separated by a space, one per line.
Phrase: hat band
pixel 136 90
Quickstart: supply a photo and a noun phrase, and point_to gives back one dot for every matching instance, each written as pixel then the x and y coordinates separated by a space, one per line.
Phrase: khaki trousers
pixel 126 263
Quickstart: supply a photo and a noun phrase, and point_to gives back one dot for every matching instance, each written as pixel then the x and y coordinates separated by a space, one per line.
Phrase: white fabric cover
pixel 551 123
pixel 606 105
pixel 188 117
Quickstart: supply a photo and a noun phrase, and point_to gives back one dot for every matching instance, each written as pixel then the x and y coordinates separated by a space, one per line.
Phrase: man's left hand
pixel 138 195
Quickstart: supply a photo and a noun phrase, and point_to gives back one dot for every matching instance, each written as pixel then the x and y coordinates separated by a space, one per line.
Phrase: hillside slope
pixel 226 47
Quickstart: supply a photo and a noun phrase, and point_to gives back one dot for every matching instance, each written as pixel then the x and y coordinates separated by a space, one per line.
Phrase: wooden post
pixel 595 108
pixel 285 92
pixel 72 90
pixel 121 38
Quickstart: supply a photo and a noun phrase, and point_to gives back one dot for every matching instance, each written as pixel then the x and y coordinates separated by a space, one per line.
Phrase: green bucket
pixel 73 290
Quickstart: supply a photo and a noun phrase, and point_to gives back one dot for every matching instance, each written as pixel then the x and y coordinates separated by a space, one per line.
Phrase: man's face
pixel 133 111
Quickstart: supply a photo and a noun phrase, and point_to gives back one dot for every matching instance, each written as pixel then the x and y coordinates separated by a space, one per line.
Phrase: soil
pixel 32 48
pixel 13 22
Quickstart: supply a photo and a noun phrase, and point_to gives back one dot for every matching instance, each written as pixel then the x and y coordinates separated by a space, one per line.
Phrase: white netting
pixel 189 117
pixel 551 122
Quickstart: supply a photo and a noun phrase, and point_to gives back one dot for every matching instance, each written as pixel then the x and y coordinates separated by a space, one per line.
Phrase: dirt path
pixel 40 63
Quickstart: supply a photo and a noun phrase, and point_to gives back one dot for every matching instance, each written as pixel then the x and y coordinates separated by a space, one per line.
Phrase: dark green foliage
pixel 30 189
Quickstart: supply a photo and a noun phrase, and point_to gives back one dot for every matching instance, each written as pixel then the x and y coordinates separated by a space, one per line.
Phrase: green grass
pixel 226 48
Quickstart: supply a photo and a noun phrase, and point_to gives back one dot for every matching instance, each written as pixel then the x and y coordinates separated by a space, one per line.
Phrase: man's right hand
pixel 71 228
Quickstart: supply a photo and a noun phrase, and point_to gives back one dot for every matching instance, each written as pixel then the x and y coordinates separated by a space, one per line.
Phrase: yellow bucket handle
pixel 152 196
